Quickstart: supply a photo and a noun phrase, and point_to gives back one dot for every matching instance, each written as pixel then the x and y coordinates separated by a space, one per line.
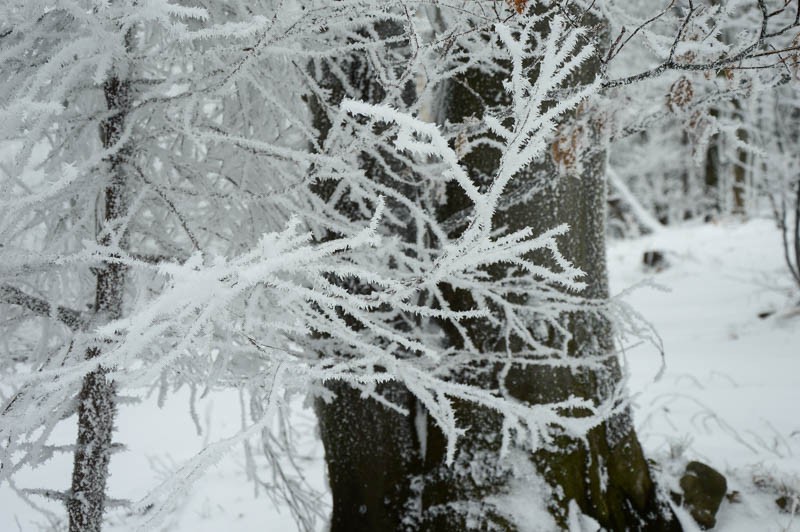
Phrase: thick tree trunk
pixel 371 451
pixel 606 474
pixel 373 459
pixel 96 407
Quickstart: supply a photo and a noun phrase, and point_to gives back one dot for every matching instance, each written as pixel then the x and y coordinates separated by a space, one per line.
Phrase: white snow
pixel 730 391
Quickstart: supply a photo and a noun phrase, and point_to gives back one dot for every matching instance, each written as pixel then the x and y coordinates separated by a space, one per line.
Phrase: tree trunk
pixel 371 451
pixel 372 457
pixel 609 478
pixel 606 474
pixel 96 407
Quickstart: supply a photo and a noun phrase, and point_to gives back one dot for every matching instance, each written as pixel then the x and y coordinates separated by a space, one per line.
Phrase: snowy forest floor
pixel 731 389
pixel 729 395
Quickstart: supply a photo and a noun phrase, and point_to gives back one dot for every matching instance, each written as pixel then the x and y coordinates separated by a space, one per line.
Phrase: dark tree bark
pixel 371 451
pixel 372 457
pixel 609 478
pixel 96 407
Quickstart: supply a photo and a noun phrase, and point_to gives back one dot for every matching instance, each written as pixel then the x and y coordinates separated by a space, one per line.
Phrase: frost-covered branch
pixel 684 54
pixel 75 320
pixel 218 151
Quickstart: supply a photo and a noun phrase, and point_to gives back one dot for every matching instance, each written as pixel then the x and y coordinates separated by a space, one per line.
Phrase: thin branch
pixel 74 319
pixel 764 20
pixel 725 62
pixel 614 50
pixel 170 204
pixel 681 30
pixel 157 259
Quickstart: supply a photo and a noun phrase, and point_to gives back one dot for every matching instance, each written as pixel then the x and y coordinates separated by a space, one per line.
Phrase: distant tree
pixel 687 145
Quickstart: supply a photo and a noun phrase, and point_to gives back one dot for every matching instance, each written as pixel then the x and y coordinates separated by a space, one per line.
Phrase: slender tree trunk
pixel 740 163
pixel 606 474
pixel 96 407
pixel 711 172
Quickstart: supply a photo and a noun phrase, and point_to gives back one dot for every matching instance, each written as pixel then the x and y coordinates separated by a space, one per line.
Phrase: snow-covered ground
pixel 729 395
pixel 731 390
